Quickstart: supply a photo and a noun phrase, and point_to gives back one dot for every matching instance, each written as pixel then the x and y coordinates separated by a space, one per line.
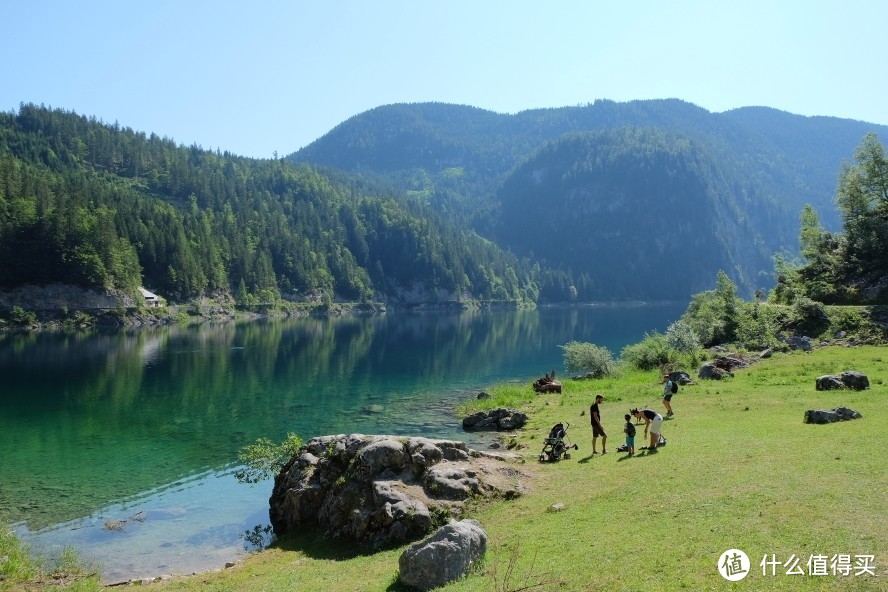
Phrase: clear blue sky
pixel 263 76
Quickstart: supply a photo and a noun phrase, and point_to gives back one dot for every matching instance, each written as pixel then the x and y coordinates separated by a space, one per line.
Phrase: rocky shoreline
pixel 61 306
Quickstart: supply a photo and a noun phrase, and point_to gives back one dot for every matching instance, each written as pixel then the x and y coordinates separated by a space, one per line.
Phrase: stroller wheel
pixel 566 455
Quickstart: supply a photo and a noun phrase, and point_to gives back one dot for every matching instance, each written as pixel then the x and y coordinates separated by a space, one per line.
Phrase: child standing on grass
pixel 667 394
pixel 629 429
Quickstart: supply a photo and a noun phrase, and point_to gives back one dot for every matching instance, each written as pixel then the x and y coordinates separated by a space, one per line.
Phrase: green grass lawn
pixel 741 470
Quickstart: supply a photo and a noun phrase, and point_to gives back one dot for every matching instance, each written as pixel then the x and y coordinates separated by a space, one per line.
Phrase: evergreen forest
pixel 639 200
pixel 425 203
pixel 103 206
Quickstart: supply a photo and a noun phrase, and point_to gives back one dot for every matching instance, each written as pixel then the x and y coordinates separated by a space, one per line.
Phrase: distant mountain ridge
pixel 423 203
pixel 752 169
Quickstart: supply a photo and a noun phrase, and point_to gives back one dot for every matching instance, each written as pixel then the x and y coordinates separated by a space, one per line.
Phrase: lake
pixel 141 428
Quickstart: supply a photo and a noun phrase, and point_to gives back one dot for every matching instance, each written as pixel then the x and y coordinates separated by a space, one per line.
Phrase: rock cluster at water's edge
pixel 384 490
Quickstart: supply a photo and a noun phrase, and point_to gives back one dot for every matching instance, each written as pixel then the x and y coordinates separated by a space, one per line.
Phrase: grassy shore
pixel 741 471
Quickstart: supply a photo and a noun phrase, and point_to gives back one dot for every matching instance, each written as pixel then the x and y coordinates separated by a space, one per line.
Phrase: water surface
pixel 142 427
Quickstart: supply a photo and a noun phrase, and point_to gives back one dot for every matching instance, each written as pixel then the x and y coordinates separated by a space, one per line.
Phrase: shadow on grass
pixel 644 453
pixel 397 586
pixel 315 545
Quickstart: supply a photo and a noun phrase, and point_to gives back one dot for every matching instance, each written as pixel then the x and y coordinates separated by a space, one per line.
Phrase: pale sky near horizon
pixel 273 75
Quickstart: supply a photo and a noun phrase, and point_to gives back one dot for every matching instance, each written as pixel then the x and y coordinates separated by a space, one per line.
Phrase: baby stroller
pixel 557 444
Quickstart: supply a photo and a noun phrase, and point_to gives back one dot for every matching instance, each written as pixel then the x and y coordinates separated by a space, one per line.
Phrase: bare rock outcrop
pixel 384 490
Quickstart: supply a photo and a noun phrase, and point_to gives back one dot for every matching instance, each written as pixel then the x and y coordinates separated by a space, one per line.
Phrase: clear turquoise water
pixel 102 426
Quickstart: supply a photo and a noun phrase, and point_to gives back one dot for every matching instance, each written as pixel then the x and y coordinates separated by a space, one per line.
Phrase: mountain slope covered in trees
pixel 100 206
pixel 756 168
pixel 425 202
pixel 639 213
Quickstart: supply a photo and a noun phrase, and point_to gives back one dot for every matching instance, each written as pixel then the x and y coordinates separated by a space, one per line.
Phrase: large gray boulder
pixel 856 381
pixel 384 490
pixel 828 383
pixel 821 416
pixel 712 372
pixel 800 342
pixel 499 419
pixel 445 556
pixel 850 379
pixel 681 377
pixel 730 363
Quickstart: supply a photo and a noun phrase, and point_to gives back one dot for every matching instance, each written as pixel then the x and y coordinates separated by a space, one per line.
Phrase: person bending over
pixel 652 424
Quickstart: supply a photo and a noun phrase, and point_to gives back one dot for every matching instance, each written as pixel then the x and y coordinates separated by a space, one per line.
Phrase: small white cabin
pixel 152 300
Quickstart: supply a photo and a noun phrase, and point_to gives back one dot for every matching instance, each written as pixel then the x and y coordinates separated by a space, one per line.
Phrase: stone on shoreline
pixel 383 490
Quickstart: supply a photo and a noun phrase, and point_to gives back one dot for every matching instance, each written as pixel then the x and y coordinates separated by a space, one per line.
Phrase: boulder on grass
pixel 856 381
pixel 850 379
pixel 800 342
pixel 821 416
pixel 445 556
pixel 499 419
pixel 712 372
pixel 681 377
pixel 828 383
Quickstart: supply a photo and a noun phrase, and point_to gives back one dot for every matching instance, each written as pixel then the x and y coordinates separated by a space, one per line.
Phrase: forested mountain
pixel 423 202
pixel 97 205
pixel 634 212
pixel 735 182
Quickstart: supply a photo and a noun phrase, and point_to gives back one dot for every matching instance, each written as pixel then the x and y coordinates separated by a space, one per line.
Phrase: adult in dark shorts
pixel 652 423
pixel 597 428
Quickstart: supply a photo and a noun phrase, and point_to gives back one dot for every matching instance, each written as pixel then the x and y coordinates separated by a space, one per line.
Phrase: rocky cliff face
pixel 383 490
pixel 63 296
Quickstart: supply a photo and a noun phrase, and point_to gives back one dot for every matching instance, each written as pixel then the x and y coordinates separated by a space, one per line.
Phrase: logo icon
pixel 733 565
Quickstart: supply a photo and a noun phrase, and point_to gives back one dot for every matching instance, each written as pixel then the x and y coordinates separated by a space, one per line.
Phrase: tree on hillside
pixel 849 267
pixel 712 315
pixel 809 236
pixel 862 197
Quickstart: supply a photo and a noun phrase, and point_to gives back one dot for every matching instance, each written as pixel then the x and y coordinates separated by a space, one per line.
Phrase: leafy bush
pixel 757 325
pixel 264 458
pixel 712 315
pixel 652 352
pixel 809 317
pixel 20 316
pixel 588 358
pixel 681 337
pixel 848 319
